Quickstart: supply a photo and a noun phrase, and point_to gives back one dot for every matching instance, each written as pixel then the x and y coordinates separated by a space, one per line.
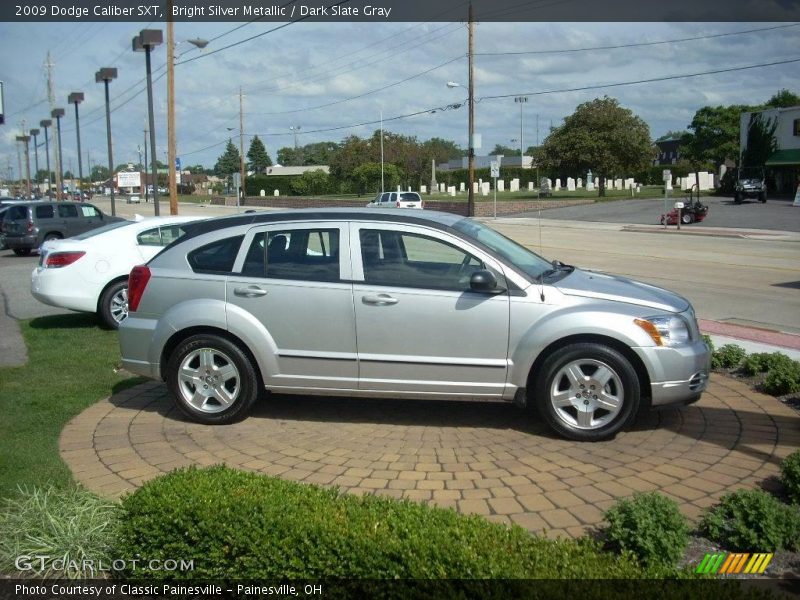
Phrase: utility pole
pixel 171 139
pixel 19 164
pixel 44 124
pixel 51 96
pixel 144 178
pixel 34 133
pixel 241 146
pixel 471 101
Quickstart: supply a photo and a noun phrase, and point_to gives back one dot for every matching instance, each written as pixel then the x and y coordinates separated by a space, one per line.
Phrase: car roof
pixel 439 220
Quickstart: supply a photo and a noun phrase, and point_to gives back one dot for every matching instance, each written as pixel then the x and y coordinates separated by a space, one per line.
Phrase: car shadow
pixel 695 422
pixel 65 321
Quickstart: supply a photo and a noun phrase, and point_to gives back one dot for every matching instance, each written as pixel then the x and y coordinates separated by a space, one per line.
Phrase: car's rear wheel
pixel 113 307
pixel 587 391
pixel 686 218
pixel 22 251
pixel 737 198
pixel 50 237
pixel 212 379
pixel 762 197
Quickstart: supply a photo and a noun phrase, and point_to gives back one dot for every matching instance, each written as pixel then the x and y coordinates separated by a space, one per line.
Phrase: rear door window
pixel 299 254
pixel 45 211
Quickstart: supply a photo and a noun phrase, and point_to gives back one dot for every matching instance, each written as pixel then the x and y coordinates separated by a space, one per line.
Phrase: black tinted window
pixel 17 213
pixel 300 254
pixel 216 257
pixel 67 211
pixel 45 211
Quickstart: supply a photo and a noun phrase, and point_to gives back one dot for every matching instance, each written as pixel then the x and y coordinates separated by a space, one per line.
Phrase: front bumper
pixel 677 375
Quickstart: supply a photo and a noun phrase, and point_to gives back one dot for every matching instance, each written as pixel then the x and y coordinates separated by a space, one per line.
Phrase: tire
pixel 584 418
pixel 737 199
pixel 212 401
pixel 687 219
pixel 113 306
pixel 22 251
pixel 50 237
pixel 762 198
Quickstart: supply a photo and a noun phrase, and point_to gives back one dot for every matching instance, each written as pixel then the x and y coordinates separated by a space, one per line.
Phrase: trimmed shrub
pixel 752 521
pixel 250 526
pixel 709 342
pixel 761 362
pixel 649 525
pixel 727 357
pixel 783 379
pixel 72 525
pixel 790 476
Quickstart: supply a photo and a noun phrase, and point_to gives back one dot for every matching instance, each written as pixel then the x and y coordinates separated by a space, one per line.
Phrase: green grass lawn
pixel 72 363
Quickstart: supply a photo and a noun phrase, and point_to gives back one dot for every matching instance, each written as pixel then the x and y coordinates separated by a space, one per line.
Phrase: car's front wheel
pixel 686 218
pixel 212 379
pixel 22 251
pixel 587 391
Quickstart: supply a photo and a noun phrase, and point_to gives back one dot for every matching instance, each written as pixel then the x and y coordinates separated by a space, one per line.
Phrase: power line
pixel 380 89
pixel 634 45
pixel 250 22
pixel 251 38
pixel 651 80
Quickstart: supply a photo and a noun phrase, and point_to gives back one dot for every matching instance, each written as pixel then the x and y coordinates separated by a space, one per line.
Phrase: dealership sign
pixel 129 179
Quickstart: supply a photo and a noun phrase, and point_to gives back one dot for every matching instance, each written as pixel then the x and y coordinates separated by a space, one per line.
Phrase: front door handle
pixel 379 300
pixel 252 291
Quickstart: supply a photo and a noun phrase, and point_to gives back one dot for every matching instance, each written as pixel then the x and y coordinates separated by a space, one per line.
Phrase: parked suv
pixel 396 200
pixel 401 304
pixel 26 226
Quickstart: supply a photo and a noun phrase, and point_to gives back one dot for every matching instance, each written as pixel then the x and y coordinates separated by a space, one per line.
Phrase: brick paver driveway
pixel 488 459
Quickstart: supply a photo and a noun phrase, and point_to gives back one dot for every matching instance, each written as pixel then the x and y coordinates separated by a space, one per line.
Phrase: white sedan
pixel 89 272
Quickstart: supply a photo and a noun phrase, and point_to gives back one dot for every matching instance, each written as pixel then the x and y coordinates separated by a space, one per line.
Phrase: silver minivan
pixel 396 304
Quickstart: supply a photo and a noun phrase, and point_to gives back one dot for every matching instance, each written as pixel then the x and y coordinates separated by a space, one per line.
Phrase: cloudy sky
pixel 334 77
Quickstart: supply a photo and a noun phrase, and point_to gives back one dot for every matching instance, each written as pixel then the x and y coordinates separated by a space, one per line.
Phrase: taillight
pixel 398 204
pixel 30 226
pixel 56 260
pixel 137 281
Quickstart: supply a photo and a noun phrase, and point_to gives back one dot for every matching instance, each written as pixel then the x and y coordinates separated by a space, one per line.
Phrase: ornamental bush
pixel 727 357
pixel 753 521
pixel 252 527
pixel 761 362
pixel 783 379
pixel 649 525
pixel 790 476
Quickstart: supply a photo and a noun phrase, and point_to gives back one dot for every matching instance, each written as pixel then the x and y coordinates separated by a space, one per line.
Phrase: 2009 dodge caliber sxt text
pixel 383 303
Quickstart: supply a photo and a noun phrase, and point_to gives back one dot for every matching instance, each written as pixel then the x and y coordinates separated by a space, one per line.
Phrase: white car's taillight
pixel 56 260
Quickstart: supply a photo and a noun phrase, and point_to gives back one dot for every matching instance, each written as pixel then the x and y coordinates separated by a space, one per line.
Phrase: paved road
pixel 751 214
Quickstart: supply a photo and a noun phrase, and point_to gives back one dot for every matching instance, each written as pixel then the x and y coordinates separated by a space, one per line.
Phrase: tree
pixel 714 135
pixel 352 153
pixel 257 156
pixel 229 162
pixel 783 99
pixel 504 150
pixel 761 142
pixel 671 135
pixel 310 183
pixel 319 153
pixel 367 177
pixel 289 157
pixel 99 173
pixel 600 136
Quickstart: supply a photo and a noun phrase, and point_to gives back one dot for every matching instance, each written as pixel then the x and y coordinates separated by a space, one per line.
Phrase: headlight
pixel 665 331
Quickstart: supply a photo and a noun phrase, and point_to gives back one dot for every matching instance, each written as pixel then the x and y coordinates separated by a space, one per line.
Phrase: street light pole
pixel 76 98
pixel 144 168
pixel 382 185
pixel 57 113
pixel 44 124
pixel 25 139
pixel 147 40
pixel 106 74
pixel 522 100
pixel 471 100
pixel 34 134
pixel 242 173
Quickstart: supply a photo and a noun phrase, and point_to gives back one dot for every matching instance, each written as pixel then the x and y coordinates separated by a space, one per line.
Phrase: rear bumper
pixel 22 242
pixel 135 342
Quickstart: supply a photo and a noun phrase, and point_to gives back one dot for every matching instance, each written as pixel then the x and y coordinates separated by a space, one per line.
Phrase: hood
pixel 592 284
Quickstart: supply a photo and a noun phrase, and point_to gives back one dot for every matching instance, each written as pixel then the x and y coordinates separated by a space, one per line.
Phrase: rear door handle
pixel 252 291
pixel 379 300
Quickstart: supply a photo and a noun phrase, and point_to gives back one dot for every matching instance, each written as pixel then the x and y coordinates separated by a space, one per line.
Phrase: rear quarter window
pixel 217 257
pixel 17 213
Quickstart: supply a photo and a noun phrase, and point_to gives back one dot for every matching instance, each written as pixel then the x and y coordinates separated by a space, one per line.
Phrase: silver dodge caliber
pixel 384 303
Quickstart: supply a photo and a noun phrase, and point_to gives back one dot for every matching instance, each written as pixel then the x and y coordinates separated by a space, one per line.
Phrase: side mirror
pixel 483 281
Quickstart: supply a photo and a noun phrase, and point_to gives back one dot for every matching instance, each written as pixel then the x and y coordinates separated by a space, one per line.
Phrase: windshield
pixel 751 173
pixel 527 262
pixel 93 232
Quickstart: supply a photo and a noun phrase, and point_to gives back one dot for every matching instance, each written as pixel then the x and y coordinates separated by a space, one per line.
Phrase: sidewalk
pixel 752 339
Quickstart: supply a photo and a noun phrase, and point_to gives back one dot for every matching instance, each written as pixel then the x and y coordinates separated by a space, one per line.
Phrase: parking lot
pixel 487 459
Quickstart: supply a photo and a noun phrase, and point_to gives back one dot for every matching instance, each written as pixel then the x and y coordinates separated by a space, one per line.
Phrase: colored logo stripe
pixel 734 563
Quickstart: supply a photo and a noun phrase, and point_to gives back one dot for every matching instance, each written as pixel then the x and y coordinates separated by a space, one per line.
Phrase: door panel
pixel 292 279
pixel 413 337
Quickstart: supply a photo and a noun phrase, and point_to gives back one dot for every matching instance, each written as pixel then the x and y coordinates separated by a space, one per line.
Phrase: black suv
pixel 27 225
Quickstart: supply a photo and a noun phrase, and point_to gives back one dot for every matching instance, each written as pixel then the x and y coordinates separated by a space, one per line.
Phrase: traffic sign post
pixel 495 173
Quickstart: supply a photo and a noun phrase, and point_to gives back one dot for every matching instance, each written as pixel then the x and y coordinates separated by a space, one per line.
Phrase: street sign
pixel 177 163
pixel 495 168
